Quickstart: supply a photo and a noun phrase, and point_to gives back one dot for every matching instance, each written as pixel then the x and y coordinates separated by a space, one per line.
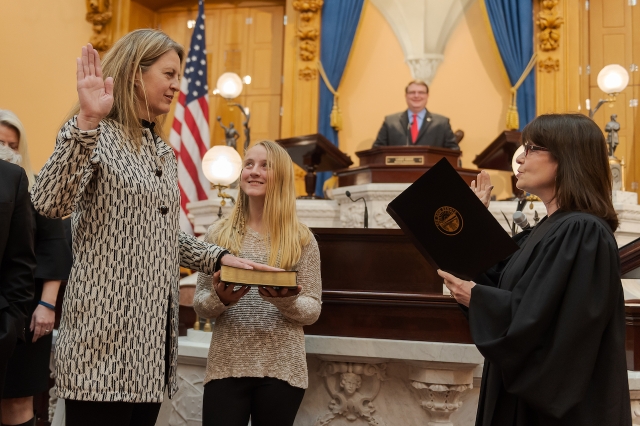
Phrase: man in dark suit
pixel 416 125
pixel 17 258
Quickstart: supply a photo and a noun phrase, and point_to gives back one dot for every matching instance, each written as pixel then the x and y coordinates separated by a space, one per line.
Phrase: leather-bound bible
pixel 449 225
pixel 238 276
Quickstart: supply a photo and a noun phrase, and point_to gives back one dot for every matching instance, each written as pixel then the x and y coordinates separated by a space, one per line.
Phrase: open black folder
pixel 449 225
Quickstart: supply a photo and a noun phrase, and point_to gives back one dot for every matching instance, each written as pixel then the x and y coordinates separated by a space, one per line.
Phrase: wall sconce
pixel 229 86
pixel 612 80
pixel 221 166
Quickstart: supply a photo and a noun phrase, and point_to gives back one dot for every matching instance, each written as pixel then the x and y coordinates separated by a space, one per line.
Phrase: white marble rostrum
pixel 357 382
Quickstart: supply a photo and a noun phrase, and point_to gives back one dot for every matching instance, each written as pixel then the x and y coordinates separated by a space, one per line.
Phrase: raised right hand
pixel 94 93
pixel 483 188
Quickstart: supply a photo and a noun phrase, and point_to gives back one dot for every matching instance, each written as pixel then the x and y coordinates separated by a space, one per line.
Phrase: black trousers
pixel 268 401
pixel 101 413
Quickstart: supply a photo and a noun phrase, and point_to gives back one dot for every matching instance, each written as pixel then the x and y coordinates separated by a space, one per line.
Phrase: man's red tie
pixel 414 129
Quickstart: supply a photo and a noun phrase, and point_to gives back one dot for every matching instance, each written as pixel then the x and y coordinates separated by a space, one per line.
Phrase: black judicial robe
pixel 552 330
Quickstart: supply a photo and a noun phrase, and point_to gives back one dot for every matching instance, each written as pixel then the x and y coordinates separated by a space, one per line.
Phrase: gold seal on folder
pixel 448 220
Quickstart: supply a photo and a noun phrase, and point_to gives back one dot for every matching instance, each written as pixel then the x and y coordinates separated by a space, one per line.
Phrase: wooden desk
pixel 376 284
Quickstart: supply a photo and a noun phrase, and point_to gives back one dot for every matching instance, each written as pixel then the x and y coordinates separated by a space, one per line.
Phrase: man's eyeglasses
pixel 530 147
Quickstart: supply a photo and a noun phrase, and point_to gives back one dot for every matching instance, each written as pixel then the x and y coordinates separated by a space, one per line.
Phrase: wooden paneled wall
pixel 591 34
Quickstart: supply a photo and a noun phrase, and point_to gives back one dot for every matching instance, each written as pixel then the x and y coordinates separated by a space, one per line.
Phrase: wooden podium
pixel 376 284
pixel 399 164
pixel 314 153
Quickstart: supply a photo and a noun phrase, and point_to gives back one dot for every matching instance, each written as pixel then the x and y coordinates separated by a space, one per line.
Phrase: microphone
pixel 408 132
pixel 366 212
pixel 521 220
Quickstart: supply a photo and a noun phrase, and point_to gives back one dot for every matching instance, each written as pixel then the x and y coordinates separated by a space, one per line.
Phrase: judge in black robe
pixel 551 324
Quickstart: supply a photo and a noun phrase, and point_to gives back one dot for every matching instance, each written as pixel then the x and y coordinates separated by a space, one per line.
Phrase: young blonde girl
pixel 257 363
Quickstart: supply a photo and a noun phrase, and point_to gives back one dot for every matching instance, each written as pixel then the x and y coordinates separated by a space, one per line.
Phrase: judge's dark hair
pixel 583 178
pixel 419 83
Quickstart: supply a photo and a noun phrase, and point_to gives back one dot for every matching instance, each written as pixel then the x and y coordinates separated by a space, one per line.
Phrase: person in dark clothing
pixel 17 259
pixel 551 324
pixel 28 369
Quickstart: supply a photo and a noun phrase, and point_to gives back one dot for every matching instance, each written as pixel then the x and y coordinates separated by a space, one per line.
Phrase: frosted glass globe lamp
pixel 612 80
pixel 221 166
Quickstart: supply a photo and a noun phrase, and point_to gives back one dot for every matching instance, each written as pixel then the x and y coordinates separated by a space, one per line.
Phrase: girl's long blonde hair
pixel 287 236
pixel 133 53
pixel 9 119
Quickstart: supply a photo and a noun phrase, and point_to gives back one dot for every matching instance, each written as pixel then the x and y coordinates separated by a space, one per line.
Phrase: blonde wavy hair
pixel 134 52
pixel 286 235
pixel 9 119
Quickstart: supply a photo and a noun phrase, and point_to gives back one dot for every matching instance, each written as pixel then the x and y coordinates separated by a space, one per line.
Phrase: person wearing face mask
pixel 417 125
pixel 550 319
pixel 257 363
pixel 112 171
pixel 28 369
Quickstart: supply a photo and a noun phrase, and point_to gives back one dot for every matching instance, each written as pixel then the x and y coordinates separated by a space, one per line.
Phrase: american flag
pixel 190 130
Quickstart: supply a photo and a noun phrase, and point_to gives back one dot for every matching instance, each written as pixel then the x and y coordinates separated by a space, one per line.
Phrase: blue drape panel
pixel 339 23
pixel 512 25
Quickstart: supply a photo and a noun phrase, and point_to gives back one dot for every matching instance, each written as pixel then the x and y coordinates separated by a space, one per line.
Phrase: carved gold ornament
pixel 308 31
pixel 549 23
pixel 307 74
pixel 549 65
pixel 99 14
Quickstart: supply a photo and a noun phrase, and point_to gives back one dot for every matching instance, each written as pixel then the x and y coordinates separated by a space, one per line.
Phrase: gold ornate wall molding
pixel 308 33
pixel 559 27
pixel 549 65
pixel 549 22
pixel 99 14
pixel 300 90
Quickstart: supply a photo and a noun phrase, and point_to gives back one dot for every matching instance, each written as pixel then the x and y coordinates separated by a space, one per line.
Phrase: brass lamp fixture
pixel 612 80
pixel 229 86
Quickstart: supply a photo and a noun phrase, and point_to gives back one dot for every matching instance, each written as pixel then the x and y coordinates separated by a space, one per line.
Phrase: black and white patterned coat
pixel 127 249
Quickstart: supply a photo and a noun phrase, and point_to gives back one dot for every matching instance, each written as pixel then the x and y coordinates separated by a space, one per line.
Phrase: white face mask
pixel 8 154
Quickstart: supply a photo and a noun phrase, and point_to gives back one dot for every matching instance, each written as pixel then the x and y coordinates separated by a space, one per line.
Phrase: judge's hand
pixel 238 262
pixel 42 322
pixel 226 293
pixel 94 93
pixel 283 292
pixel 483 187
pixel 460 289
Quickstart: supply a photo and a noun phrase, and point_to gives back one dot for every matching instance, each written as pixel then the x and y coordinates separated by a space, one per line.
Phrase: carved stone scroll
pixel 352 387
pixel 99 14
pixel 549 22
pixel 308 34
pixel 440 401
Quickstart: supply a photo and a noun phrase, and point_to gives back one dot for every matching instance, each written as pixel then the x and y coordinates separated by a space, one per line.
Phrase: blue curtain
pixel 339 22
pixel 512 25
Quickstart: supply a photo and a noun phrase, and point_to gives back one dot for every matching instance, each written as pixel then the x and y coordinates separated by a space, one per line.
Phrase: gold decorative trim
pixel 307 74
pixel 549 65
pixel 308 31
pixel 99 15
pixel 549 23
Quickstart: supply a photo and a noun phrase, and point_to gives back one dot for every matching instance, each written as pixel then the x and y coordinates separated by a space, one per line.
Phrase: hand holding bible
pixel 227 293
pixel 283 292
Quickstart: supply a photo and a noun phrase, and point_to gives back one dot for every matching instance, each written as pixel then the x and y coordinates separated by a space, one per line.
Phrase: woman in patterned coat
pixel 117 347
